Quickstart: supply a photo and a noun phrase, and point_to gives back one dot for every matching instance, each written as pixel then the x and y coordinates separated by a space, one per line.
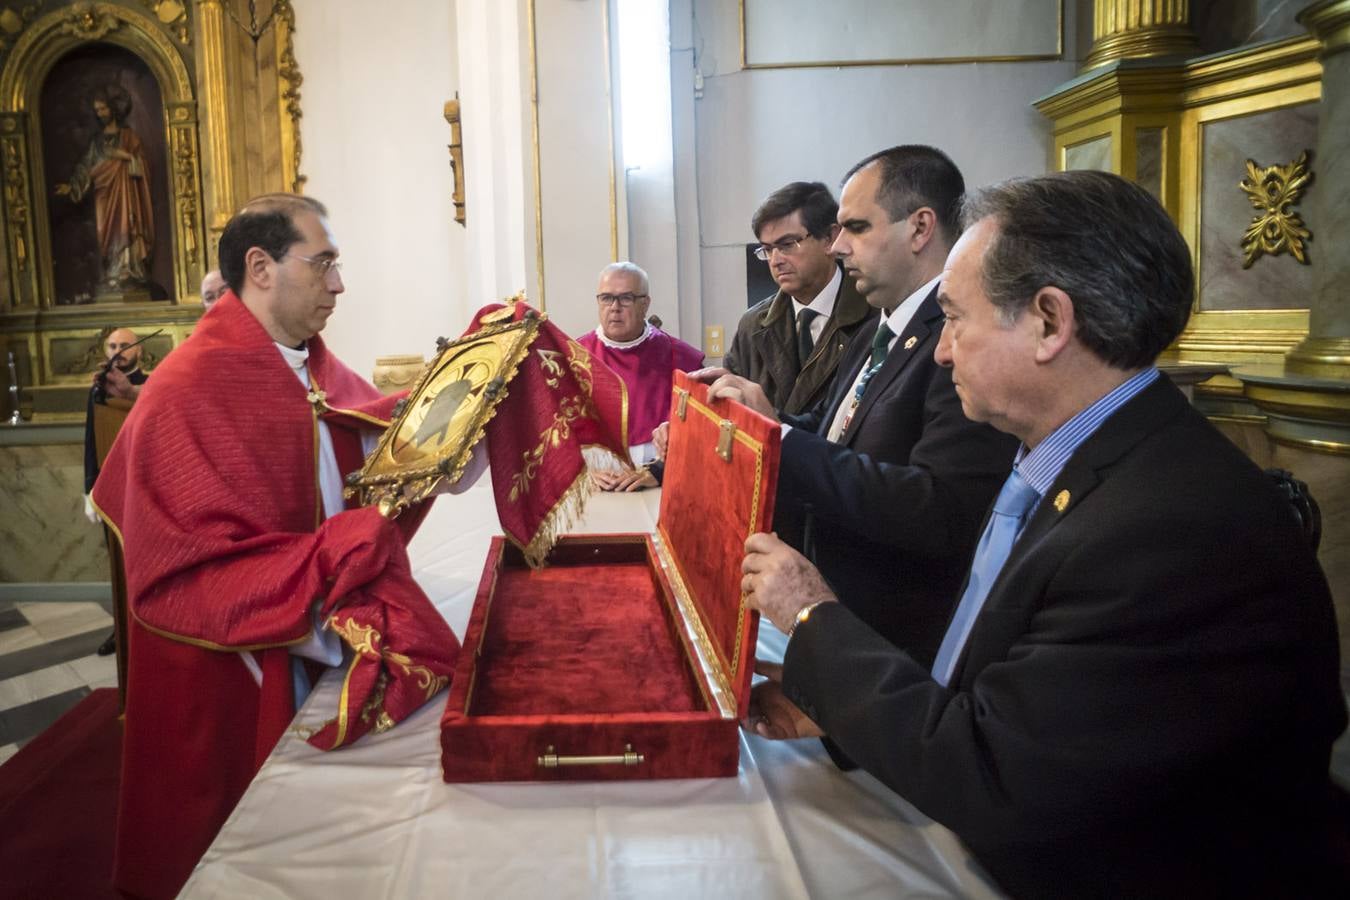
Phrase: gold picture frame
pixel 437 425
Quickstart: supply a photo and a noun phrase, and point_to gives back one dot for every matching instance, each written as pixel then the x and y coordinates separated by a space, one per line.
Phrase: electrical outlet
pixel 712 341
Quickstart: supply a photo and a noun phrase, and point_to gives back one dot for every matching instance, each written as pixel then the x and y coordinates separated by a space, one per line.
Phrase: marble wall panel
pixel 1093 154
pixel 44 535
pixel 1274 137
pixel 1148 156
pixel 1225 24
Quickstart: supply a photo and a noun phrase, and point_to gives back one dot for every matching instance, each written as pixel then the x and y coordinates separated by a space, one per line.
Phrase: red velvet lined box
pixel 630 655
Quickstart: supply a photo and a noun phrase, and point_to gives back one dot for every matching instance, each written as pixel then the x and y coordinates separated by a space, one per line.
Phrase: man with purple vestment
pixel 641 354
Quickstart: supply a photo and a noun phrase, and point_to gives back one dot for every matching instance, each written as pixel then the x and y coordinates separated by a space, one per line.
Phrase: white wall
pixel 498 192
pixel 575 168
pixel 375 84
pixel 758 129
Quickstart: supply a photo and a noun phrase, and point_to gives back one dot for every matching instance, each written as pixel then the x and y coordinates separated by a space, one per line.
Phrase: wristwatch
pixel 802 615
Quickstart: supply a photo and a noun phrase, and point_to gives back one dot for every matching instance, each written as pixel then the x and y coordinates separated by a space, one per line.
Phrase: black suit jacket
pixel 136 376
pixel 765 348
pixel 1145 704
pixel 890 515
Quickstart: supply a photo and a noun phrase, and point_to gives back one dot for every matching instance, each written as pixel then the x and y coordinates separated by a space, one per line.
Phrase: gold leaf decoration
pixel 1275 229
pixel 89 22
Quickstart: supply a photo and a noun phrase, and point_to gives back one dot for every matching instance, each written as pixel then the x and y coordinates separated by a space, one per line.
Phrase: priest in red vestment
pixel 245 572
pixel 644 356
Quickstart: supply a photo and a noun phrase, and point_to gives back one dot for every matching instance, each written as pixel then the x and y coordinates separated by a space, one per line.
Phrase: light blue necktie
pixel 1005 524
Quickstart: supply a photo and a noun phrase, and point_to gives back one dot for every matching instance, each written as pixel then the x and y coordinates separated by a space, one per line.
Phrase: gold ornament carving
pixel 89 22
pixel 173 15
pixel 186 196
pixel 185 183
pixel 16 198
pixel 1275 230
pixel 1139 29
pixel 280 18
pixel 456 147
pixel 288 73
pixel 13 22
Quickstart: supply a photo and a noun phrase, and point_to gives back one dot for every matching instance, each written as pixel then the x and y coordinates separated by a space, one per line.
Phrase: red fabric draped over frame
pixel 560 402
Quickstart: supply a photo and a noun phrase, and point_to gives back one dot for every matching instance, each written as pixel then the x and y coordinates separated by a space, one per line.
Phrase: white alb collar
pixel 295 358
pixel 647 330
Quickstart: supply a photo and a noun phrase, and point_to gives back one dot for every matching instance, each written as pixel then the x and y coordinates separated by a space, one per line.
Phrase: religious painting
pixel 437 425
pixel 101 116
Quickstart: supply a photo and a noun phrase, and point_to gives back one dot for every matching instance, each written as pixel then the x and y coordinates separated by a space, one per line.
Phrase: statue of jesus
pixel 115 169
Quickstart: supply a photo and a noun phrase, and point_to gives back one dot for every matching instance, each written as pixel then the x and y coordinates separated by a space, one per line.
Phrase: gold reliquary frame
pixel 1172 102
pixel 437 425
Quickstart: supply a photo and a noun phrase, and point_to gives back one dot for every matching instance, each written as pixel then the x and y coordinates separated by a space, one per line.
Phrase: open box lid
pixel 718 489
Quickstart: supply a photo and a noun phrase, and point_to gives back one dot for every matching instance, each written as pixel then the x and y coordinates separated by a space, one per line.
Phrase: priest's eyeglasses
pixel 624 300
pixel 320 264
pixel 787 246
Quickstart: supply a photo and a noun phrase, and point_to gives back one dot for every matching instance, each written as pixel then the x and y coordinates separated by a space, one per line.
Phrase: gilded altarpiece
pixel 229 86
pixel 1171 125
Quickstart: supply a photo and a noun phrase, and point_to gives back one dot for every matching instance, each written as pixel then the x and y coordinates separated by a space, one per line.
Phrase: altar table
pixel 375 820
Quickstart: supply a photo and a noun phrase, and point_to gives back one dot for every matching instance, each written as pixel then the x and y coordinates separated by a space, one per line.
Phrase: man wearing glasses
pixel 644 356
pixel 225 486
pixel 883 486
pixel 791 343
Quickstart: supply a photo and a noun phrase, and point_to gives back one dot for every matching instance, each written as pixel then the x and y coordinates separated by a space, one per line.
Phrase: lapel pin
pixel 909 344
pixel 1062 501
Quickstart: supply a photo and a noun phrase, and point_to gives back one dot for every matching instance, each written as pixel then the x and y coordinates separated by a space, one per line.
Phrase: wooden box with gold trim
pixel 628 656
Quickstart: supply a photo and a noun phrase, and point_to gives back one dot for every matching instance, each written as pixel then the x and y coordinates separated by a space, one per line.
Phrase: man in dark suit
pixel 1137 694
pixel 790 343
pixel 122 378
pixel 883 485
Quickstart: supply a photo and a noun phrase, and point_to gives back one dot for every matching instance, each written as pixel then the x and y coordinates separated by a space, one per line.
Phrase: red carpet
pixel 58 805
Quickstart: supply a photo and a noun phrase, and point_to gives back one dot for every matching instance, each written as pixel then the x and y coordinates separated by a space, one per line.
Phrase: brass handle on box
pixel 551 760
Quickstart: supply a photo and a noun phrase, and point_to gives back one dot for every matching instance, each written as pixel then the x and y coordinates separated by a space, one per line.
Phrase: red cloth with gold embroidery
pixel 560 401
pixel 212 486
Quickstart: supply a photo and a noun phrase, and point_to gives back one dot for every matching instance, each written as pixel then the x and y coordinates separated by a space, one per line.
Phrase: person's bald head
pixel 120 340
pixel 213 285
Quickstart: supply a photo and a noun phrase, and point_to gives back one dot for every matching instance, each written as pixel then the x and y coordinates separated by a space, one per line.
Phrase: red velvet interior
pixel 589 634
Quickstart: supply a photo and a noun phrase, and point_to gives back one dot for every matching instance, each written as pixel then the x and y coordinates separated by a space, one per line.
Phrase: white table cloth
pixel 376 821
